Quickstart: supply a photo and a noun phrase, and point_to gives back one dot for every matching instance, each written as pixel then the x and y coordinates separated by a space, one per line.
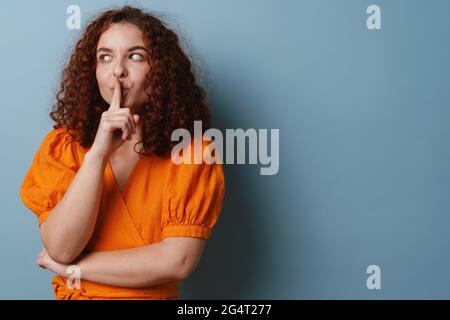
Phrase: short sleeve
pixel 51 171
pixel 193 200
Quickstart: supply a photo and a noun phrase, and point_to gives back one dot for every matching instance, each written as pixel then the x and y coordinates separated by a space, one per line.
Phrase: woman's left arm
pixel 174 258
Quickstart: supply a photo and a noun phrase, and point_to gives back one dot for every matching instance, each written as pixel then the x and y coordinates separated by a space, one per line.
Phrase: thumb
pixel 136 118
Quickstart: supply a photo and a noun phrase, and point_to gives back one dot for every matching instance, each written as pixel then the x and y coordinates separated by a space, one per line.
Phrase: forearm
pixel 69 227
pixel 132 268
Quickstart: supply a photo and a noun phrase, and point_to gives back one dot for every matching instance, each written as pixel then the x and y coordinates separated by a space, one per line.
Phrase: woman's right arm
pixel 69 227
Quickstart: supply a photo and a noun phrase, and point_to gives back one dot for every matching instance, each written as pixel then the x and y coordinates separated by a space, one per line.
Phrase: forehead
pixel 121 35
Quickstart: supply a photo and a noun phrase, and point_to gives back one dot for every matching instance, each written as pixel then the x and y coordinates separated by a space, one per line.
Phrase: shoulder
pixel 57 136
pixel 59 145
pixel 193 167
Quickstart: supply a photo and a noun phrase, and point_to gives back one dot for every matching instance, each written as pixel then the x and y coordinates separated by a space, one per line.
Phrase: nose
pixel 119 71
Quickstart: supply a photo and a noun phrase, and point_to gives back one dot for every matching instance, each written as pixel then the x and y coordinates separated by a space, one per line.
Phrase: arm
pixel 69 227
pixel 174 258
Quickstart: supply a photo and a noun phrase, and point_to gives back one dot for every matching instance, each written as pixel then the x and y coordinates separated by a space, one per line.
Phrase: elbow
pixel 63 258
pixel 57 252
pixel 182 256
pixel 60 256
pixel 184 269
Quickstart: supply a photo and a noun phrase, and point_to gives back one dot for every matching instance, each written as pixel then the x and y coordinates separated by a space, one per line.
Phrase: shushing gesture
pixel 116 126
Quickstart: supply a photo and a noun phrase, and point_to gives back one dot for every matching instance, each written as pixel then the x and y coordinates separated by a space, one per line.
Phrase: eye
pixel 103 56
pixel 134 56
pixel 140 57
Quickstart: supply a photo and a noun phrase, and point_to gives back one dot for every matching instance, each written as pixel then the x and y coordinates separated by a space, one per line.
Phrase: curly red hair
pixel 175 99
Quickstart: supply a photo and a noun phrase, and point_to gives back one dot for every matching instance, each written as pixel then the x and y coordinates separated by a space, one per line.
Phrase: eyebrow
pixel 129 49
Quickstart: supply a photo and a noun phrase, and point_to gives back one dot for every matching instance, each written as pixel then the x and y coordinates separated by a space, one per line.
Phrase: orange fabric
pixel 160 199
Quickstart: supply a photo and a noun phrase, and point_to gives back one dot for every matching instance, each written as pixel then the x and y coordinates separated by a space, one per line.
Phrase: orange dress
pixel 160 199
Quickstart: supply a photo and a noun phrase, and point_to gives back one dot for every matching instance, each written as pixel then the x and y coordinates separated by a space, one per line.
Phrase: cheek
pixel 143 84
pixel 100 73
pixel 102 81
pixel 140 76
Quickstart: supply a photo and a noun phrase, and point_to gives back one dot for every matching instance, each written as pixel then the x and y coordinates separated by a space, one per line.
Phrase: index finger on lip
pixel 115 102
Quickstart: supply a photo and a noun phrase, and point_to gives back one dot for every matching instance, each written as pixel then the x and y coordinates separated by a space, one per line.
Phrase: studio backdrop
pixel 347 105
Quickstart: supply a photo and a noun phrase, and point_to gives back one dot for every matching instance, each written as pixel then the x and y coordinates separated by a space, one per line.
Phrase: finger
pixel 126 111
pixel 136 119
pixel 40 263
pixel 123 118
pixel 123 125
pixel 115 102
pixel 126 131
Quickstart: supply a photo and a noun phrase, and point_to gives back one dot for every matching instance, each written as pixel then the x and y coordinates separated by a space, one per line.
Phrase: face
pixel 121 53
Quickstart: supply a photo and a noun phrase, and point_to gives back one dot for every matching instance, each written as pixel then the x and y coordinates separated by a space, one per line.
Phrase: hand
pixel 116 126
pixel 46 262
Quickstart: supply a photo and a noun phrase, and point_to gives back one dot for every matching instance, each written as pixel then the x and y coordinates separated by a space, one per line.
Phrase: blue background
pixel 364 159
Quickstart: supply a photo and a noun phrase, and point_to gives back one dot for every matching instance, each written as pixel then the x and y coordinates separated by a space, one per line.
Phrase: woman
pixel 109 199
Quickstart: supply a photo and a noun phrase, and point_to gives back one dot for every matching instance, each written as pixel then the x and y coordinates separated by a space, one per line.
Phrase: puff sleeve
pixel 51 171
pixel 193 200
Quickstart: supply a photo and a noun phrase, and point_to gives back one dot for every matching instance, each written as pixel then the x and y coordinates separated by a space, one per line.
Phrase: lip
pixel 124 91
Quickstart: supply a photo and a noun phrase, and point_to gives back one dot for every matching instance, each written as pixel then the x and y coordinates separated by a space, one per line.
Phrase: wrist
pixel 60 269
pixel 92 156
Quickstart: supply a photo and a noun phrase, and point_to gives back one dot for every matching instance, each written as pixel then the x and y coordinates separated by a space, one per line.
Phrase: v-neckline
pixel 127 182
pixel 121 200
